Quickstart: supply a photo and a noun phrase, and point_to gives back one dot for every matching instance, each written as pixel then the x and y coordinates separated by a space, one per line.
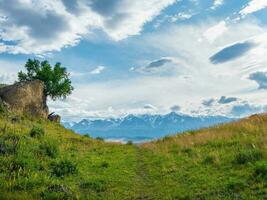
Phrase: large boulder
pixel 26 98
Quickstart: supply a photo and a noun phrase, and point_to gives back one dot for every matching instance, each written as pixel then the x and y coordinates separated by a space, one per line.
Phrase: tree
pixel 56 79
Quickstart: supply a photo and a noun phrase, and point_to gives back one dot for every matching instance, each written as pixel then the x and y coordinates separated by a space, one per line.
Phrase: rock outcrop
pixel 26 98
pixel 54 118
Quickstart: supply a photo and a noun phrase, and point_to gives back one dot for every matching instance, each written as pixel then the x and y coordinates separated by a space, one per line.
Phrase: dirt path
pixel 142 177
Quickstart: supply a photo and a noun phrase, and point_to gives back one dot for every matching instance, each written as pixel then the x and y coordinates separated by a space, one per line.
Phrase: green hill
pixel 42 160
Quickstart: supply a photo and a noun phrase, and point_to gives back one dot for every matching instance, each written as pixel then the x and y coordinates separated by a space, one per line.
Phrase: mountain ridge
pixel 132 127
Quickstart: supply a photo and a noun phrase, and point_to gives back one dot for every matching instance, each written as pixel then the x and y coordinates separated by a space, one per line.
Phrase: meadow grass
pixel 42 160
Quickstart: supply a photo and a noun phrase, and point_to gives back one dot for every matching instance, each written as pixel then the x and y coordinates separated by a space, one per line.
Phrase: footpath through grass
pixel 43 160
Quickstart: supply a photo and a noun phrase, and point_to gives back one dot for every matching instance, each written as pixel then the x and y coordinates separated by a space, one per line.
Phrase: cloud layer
pixel 186 77
pixel 29 26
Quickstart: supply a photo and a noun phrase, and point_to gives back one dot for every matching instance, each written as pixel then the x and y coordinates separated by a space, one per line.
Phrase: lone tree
pixel 56 79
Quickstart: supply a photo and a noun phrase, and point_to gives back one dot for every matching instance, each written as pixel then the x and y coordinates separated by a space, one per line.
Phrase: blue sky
pixel 205 57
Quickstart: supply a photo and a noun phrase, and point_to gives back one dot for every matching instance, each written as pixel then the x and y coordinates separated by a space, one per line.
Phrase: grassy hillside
pixel 40 159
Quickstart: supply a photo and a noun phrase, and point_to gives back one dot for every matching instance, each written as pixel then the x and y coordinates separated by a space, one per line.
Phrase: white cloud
pixel 215 31
pixel 254 6
pixel 150 107
pixel 41 26
pixel 7 78
pixel 180 16
pixel 217 3
pixel 9 70
pixel 98 70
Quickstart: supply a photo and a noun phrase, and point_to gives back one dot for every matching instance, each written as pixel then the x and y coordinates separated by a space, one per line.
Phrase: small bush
pixel 235 184
pixel 9 144
pixel 21 165
pixel 100 138
pixel 57 192
pixel 63 168
pixel 2 107
pixel 104 164
pixel 130 142
pixel 247 156
pixel 16 165
pixel 188 151
pixel 37 131
pixel 49 148
pixel 97 186
pixel 209 159
pixel 87 136
pixel 15 119
pixel 261 169
pixel 191 132
pixel 167 138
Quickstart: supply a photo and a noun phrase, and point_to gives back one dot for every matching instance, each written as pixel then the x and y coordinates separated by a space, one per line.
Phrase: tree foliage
pixel 56 79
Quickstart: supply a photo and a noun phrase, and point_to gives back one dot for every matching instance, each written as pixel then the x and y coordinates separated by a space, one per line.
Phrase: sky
pixel 197 57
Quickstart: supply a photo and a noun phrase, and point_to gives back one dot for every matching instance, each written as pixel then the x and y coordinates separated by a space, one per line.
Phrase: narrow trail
pixel 142 177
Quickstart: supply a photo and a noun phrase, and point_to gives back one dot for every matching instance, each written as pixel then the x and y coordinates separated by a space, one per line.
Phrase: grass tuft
pixel 261 169
pixel 37 132
pixel 9 144
pixel 248 156
pixel 99 138
pixel 96 186
pixel 63 168
pixel 49 148
pixel 210 159
pixel 236 184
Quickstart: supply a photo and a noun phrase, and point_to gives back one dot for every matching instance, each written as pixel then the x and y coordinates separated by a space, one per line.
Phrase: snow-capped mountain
pixel 144 127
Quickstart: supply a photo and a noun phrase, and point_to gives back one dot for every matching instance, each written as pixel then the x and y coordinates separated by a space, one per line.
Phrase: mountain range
pixel 143 127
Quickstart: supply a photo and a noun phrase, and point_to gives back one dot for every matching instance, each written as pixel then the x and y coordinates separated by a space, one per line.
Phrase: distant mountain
pixel 143 127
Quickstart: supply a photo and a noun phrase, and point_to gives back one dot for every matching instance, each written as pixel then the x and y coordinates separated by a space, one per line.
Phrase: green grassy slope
pixel 224 162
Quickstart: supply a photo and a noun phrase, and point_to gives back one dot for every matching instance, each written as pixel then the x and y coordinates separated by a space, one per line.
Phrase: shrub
pixel 49 148
pixel 9 144
pixel 97 185
pixel 100 138
pixel 247 156
pixel 15 119
pixel 22 165
pixel 63 168
pixel 18 167
pixel 188 151
pixel 130 142
pixel 104 164
pixel 2 107
pixel 37 131
pixel 167 138
pixel 209 159
pixel 57 192
pixel 191 132
pixel 261 169
pixel 235 184
pixel 87 136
